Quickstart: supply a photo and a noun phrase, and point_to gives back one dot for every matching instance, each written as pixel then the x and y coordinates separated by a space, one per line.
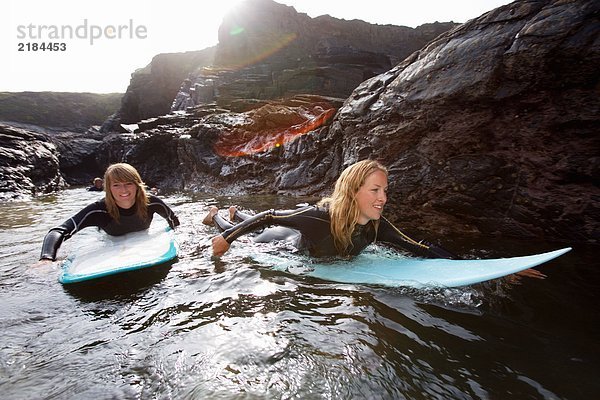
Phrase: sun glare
pixel 99 52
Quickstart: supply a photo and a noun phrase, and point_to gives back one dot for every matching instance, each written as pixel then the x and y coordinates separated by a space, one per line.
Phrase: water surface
pixel 206 328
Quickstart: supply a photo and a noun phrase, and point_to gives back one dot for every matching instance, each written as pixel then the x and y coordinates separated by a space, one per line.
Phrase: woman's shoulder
pixel 307 210
pixel 152 199
pixel 317 210
pixel 321 208
pixel 98 206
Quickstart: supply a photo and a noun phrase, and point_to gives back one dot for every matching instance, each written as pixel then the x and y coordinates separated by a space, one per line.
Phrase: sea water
pixel 227 328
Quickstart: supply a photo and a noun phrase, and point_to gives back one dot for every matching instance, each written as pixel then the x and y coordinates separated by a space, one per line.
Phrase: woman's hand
pixel 219 245
pixel 532 273
pixel 516 278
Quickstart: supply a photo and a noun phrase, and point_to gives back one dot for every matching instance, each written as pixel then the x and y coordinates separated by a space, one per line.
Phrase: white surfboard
pixel 118 254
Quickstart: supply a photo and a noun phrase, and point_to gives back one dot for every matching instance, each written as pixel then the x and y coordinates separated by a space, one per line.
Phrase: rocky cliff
pixel 491 128
pixel 267 51
pixel 46 142
pixel 28 164
pixel 152 89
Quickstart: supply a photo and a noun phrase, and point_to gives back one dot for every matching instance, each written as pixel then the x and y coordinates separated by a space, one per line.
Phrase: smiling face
pixel 124 193
pixel 372 196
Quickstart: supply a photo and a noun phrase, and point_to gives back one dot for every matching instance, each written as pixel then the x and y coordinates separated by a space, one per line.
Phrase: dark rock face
pixel 80 155
pixel 152 89
pixel 214 149
pixel 493 127
pixel 260 31
pixel 28 164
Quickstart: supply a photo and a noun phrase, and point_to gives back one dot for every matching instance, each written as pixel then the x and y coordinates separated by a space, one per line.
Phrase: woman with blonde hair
pixel 125 208
pixel 340 225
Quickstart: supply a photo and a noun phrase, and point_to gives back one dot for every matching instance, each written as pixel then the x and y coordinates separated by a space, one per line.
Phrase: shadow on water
pixel 124 286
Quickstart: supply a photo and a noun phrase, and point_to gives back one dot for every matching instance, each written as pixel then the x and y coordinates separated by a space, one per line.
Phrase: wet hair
pixel 342 204
pixel 122 173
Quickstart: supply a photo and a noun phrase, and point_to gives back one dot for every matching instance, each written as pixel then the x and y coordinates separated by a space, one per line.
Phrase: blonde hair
pixel 342 204
pixel 123 172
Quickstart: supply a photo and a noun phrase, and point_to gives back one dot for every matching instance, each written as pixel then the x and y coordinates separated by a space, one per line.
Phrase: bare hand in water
pixel 528 273
pixel 219 245
pixel 532 273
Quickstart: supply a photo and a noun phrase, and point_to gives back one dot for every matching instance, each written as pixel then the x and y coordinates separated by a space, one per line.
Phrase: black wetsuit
pixel 96 214
pixel 310 231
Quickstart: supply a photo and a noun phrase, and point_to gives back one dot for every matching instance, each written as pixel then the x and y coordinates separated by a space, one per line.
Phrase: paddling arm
pixel 52 242
pixel 308 220
pixel 92 215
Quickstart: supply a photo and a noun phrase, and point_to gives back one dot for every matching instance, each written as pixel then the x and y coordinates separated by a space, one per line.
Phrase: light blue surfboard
pixel 414 272
pixel 118 254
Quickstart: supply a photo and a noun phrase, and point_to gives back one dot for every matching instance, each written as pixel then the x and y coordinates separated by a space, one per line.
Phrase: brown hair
pixel 123 172
pixel 343 208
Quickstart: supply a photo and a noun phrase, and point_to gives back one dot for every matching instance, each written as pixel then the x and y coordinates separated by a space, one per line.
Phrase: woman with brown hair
pixel 125 208
pixel 340 225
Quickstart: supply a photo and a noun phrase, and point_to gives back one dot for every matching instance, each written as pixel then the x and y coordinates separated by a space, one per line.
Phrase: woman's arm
pixel 92 215
pixel 160 207
pixel 52 242
pixel 308 220
pixel 219 245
